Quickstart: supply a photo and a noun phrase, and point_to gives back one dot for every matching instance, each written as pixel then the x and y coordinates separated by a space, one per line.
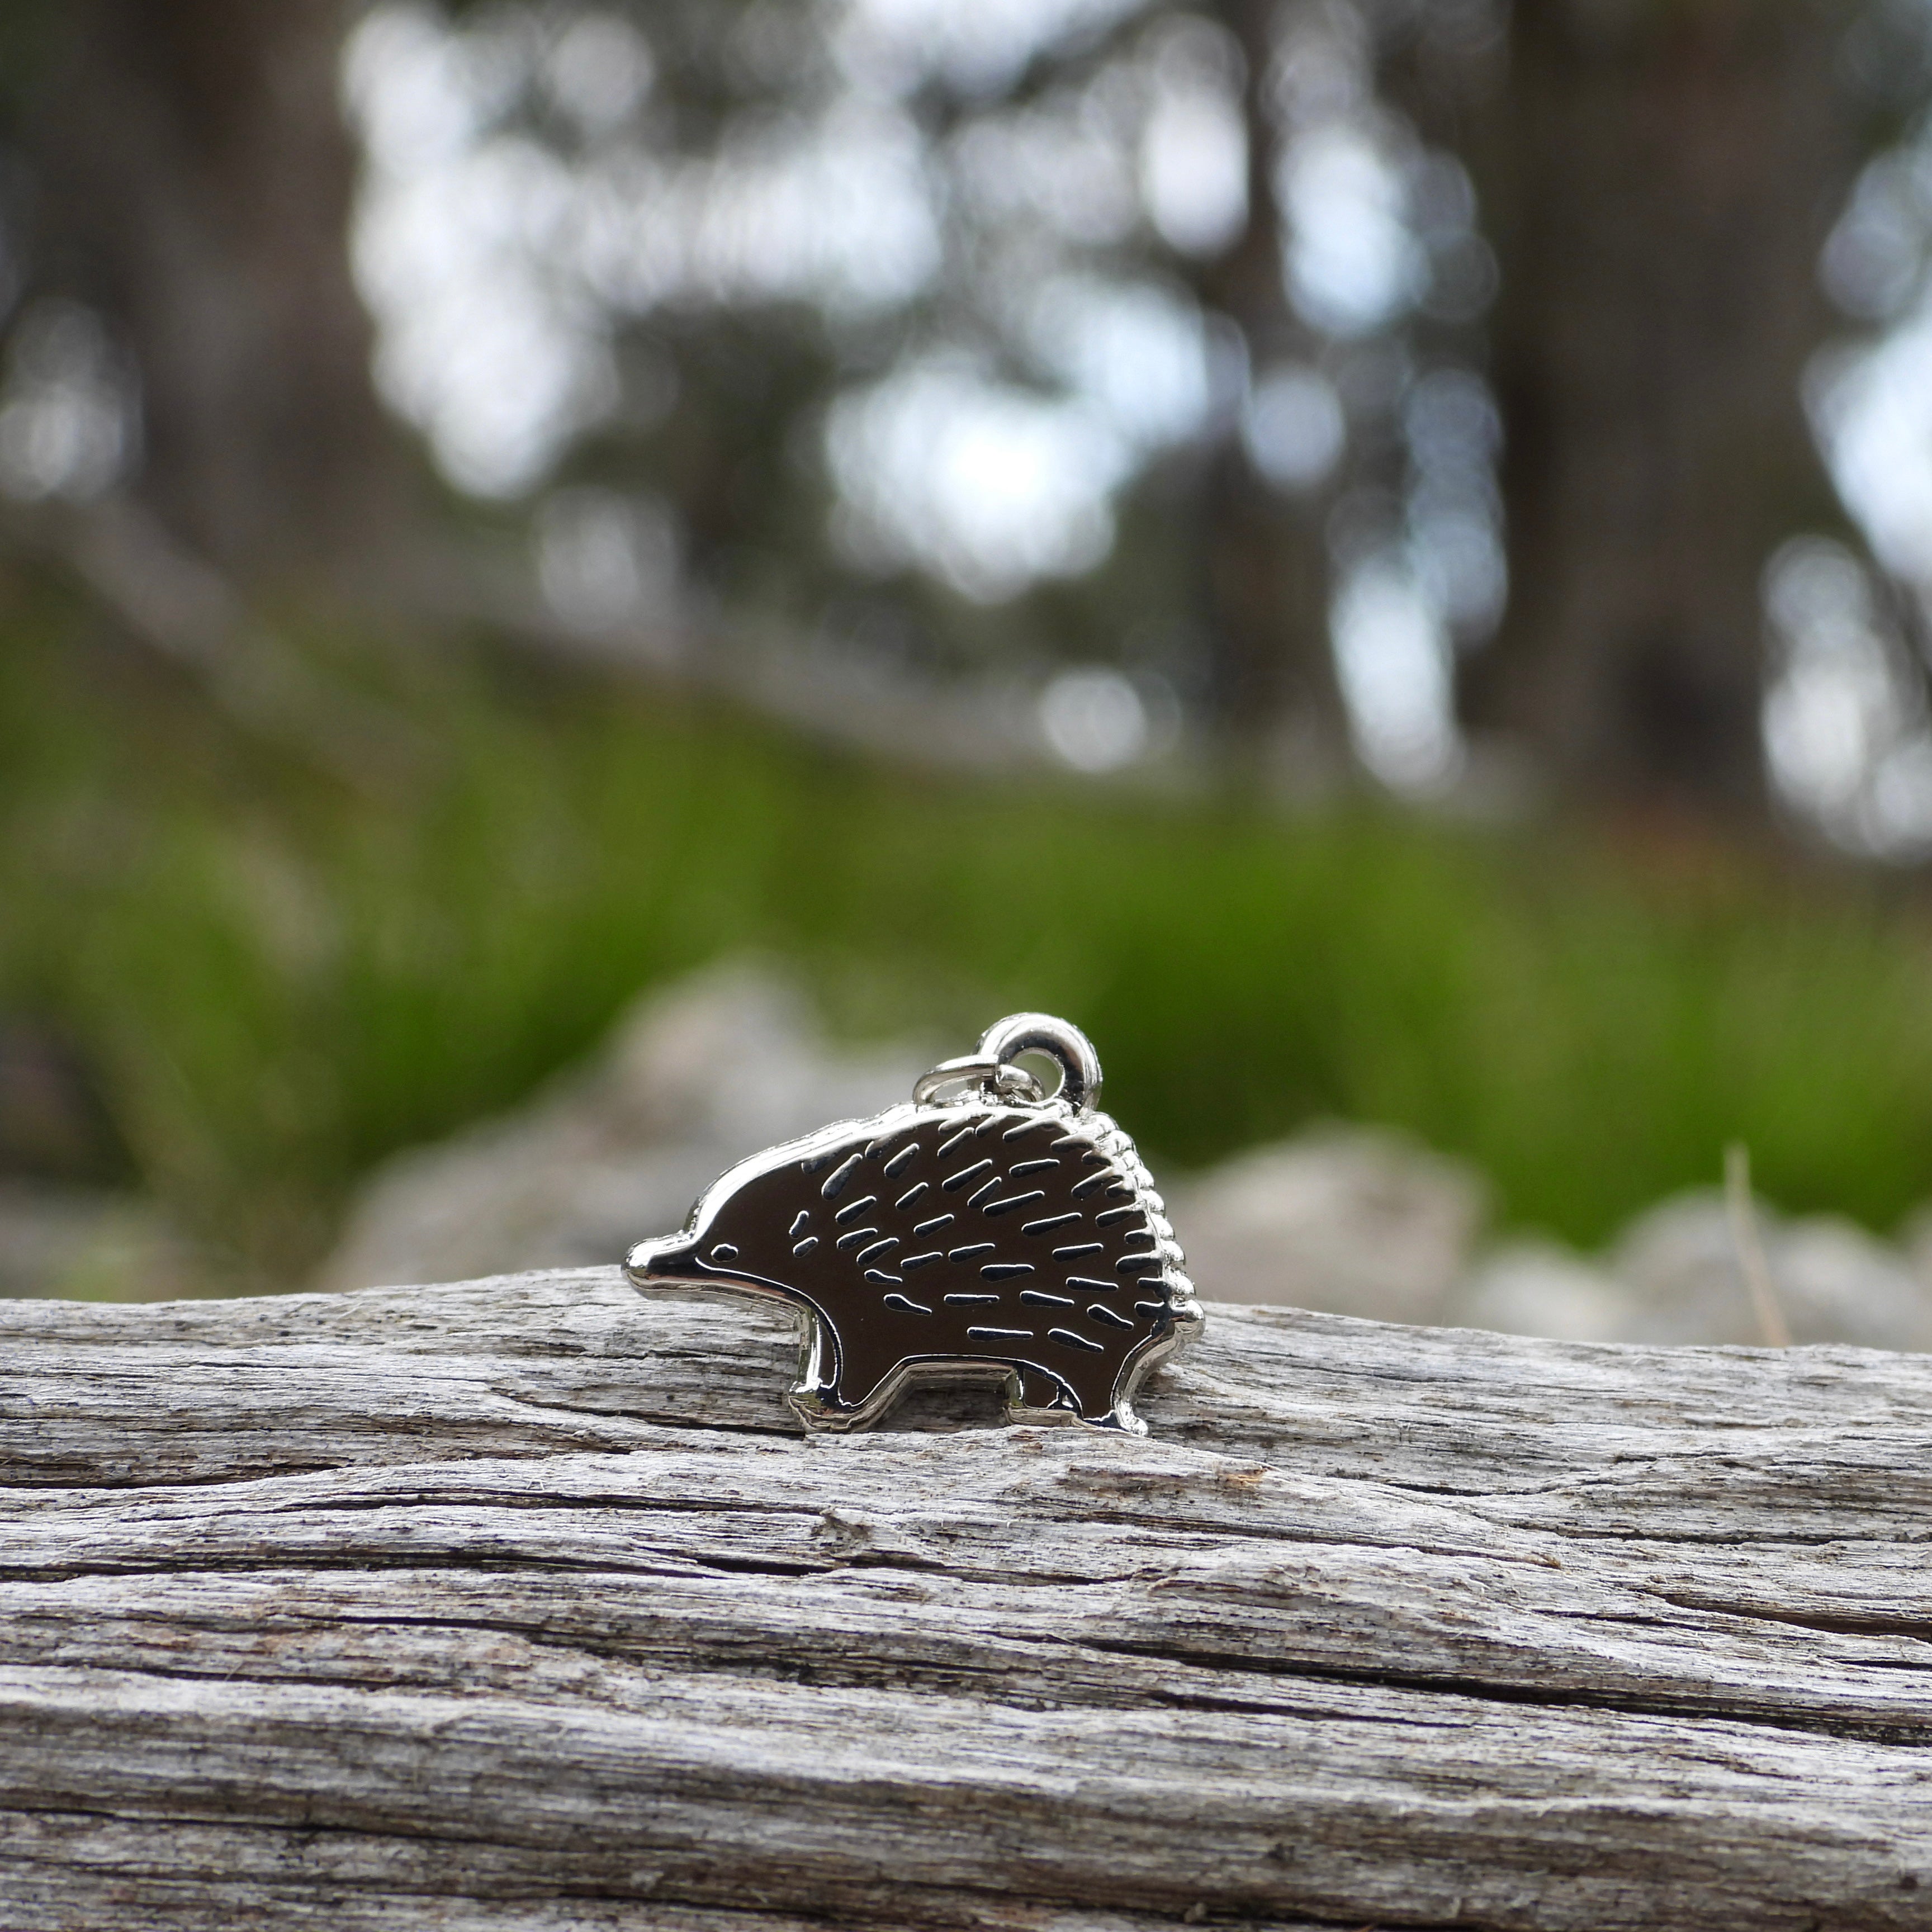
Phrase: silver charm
pixel 986 1228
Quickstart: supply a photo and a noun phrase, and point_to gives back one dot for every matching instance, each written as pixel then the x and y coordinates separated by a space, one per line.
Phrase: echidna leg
pixel 815 1396
pixel 1034 1389
pixel 1120 1417
pixel 819 1407
pixel 1105 1406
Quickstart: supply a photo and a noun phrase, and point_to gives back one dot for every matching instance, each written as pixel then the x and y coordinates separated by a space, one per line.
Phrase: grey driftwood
pixel 520 1603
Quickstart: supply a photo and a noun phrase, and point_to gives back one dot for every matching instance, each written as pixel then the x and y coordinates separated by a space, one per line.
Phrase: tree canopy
pixel 1341 385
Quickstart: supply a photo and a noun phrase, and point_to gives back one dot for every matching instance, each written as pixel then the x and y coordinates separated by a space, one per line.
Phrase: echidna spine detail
pixel 1002 1232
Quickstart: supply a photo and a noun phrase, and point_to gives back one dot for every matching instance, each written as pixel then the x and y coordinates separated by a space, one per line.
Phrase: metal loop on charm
pixel 989 1076
pixel 1005 1040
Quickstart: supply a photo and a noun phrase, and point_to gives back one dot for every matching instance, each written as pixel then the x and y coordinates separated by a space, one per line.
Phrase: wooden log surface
pixel 520 1603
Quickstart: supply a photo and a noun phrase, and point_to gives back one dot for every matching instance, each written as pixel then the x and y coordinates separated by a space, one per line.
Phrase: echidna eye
pixel 724 1251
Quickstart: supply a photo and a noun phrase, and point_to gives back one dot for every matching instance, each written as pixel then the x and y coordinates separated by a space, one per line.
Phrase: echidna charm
pixel 1002 1231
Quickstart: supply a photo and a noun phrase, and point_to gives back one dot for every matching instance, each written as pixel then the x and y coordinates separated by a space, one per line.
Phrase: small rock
pixel 1351 1221
pixel 1540 1288
pixel 1834 1282
pixel 692 1079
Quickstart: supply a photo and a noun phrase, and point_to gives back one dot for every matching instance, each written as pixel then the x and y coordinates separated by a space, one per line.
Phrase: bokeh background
pixel 1374 553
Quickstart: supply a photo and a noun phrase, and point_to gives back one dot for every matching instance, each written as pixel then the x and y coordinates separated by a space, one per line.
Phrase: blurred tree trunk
pixel 1658 180
pixel 196 180
pixel 1263 558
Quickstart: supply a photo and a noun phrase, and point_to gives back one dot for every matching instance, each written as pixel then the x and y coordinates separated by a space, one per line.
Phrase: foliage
pixel 280 980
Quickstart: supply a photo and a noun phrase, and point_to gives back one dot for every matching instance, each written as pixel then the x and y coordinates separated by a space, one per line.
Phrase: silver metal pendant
pixel 987 1229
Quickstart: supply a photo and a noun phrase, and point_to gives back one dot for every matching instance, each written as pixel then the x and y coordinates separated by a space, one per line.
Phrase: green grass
pixel 279 981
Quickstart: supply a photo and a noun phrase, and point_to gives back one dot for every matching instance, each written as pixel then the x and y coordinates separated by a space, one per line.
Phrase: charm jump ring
pixel 979 1070
pixel 1005 1040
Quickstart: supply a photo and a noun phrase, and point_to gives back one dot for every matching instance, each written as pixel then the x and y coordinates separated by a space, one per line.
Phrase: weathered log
pixel 520 1603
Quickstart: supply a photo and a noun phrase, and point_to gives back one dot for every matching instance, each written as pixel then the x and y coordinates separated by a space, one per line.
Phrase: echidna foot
pixel 1120 1419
